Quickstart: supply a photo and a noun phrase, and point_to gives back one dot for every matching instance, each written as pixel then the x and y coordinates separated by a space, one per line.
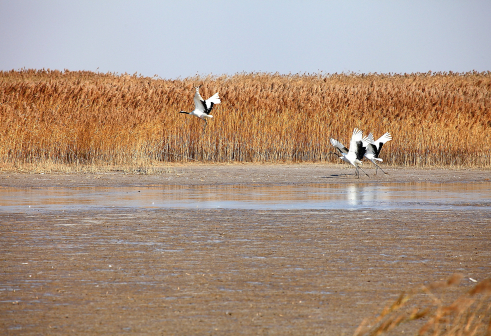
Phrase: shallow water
pixel 388 196
pixel 113 257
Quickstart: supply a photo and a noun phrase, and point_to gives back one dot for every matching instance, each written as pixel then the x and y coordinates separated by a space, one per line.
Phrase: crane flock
pixel 360 147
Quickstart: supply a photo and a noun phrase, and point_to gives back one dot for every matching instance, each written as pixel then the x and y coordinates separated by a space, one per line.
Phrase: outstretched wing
pixel 208 104
pixel 371 152
pixel 367 140
pixel 356 144
pixel 198 101
pixel 380 142
pixel 369 144
pixel 339 146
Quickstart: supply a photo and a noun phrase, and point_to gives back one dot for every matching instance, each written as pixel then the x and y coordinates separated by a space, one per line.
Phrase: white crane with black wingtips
pixel 355 153
pixel 202 108
pixel 373 148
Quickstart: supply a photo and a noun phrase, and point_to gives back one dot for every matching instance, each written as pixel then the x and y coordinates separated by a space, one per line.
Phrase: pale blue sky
pixel 183 38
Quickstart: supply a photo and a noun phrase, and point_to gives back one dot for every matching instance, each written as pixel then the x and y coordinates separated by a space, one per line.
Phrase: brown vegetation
pixel 439 119
pixel 468 315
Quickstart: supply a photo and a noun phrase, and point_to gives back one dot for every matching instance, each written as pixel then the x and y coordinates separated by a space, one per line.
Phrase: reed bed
pixel 467 315
pixel 87 118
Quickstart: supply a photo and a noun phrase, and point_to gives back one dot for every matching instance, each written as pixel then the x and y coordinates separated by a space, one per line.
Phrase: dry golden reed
pixel 468 315
pixel 436 119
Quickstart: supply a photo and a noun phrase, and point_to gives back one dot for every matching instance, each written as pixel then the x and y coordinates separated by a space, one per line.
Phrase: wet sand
pixel 227 271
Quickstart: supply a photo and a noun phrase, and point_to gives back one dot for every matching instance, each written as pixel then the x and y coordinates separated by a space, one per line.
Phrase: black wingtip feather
pixel 360 150
pixel 207 109
pixel 378 150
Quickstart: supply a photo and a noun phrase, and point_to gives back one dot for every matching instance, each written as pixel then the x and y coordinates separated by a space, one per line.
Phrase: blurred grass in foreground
pixel 468 315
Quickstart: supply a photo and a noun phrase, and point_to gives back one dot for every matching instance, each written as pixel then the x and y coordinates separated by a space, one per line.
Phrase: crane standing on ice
pixel 202 108
pixel 356 150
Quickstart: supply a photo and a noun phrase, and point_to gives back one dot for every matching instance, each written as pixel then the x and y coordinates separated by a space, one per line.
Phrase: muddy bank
pixel 202 174
pixel 227 271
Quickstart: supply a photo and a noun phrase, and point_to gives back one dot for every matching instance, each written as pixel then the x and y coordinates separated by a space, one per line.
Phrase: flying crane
pixel 356 150
pixel 202 108
pixel 373 149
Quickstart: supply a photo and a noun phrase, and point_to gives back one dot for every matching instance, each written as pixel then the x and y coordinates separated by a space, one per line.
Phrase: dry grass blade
pixel 468 315
pixel 90 119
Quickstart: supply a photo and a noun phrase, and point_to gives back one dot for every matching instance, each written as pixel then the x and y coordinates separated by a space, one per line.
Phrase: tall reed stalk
pixel 436 119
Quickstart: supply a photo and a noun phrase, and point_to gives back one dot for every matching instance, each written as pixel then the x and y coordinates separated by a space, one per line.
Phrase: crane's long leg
pixel 378 167
pixel 363 171
pixel 357 172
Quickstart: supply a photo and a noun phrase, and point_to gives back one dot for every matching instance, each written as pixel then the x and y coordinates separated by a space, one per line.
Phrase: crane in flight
pixel 373 148
pixel 202 108
pixel 356 150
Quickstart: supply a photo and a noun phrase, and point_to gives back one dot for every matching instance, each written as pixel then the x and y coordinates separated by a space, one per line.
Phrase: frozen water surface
pixel 424 195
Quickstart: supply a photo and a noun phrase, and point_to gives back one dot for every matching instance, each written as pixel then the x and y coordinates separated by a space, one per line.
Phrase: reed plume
pixel 436 119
